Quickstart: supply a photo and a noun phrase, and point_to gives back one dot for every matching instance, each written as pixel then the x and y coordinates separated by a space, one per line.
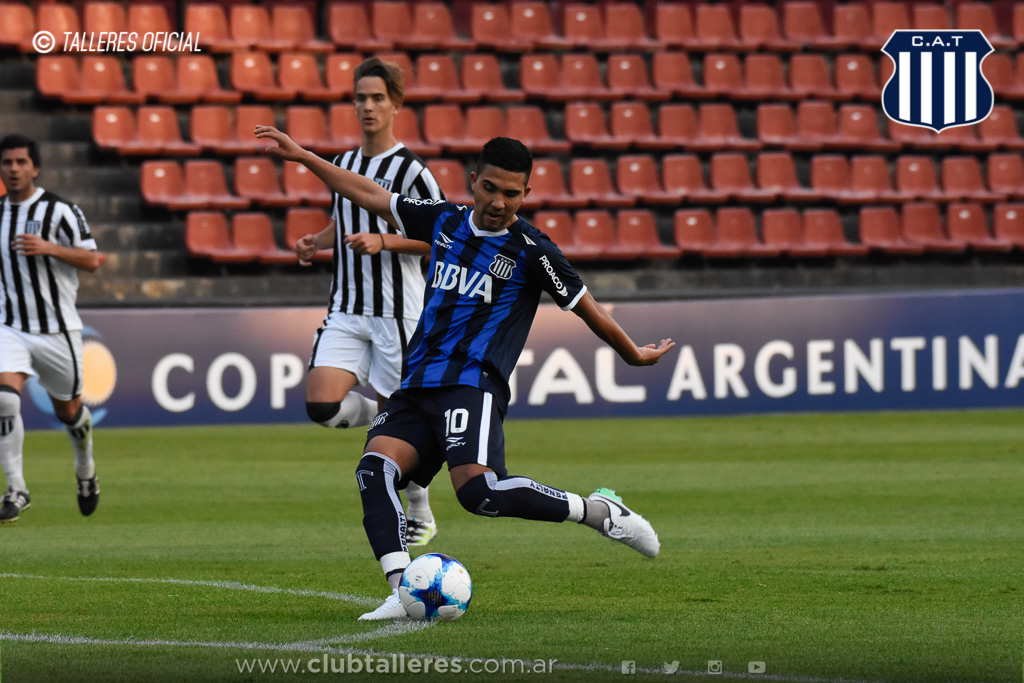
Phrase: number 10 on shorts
pixel 456 421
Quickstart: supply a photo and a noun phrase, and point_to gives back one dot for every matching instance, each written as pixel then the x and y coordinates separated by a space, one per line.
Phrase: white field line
pixel 395 628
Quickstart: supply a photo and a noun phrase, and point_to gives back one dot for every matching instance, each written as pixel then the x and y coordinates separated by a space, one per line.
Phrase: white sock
pixel 419 502
pixel 80 434
pixel 12 440
pixel 356 410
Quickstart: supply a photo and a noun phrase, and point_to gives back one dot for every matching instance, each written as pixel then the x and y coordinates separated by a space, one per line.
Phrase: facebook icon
pixel 937 82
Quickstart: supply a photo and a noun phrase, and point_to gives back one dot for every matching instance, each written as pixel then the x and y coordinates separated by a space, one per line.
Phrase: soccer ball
pixel 435 586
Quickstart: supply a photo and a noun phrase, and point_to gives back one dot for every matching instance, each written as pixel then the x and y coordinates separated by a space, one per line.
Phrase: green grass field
pixel 882 547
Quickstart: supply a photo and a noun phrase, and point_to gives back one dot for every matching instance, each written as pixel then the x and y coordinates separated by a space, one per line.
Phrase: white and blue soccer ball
pixel 435 587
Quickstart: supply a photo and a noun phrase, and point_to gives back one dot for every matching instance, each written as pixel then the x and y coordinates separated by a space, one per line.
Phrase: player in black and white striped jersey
pixel 377 290
pixel 44 242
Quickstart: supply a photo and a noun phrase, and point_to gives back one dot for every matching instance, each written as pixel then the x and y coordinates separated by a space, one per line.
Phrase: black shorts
pixel 457 425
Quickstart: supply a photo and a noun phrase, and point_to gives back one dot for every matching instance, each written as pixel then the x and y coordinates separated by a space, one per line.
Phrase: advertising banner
pixel 829 353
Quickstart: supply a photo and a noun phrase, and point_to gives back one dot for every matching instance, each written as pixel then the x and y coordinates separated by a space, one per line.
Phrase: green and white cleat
pixel 418 532
pixel 626 526
pixel 391 609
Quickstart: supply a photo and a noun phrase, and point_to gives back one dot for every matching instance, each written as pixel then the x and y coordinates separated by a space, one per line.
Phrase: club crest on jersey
pixel 502 267
pixel 33 227
pixel 384 182
pixel 449 276
pixel 937 82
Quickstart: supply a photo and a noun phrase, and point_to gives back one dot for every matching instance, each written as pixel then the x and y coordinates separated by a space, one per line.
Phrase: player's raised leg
pixel 12 441
pixel 77 419
pixel 330 401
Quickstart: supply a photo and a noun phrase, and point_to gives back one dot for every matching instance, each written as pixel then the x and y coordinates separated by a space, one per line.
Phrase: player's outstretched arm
pixel 604 326
pixel 360 190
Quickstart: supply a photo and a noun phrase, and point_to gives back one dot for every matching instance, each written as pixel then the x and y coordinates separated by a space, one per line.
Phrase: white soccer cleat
pixel 391 609
pixel 418 532
pixel 626 526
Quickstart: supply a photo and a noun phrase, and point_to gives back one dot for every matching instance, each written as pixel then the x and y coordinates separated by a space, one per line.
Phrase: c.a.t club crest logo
pixel 938 82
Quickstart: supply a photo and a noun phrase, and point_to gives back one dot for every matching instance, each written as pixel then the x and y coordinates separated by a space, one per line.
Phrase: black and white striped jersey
pixel 385 285
pixel 37 293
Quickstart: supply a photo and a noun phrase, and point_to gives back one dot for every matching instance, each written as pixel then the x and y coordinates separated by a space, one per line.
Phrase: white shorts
pixel 369 347
pixel 56 359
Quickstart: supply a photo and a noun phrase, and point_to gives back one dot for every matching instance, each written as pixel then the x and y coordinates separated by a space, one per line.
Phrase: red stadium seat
pixel 220 130
pixel 764 79
pixel 304 221
pixel 348 27
pixel 155 77
pixel 851 25
pixel 677 124
pixel 253 74
pixel 407 129
pixel 295 25
pixel 625 24
pixel 627 77
pixel 144 17
pixel 776 127
pixel 967 223
pixel 998 70
pixel 299 71
pixel 776 172
pixel 1018 22
pixel 982 17
pixel 887 17
pixel 344 128
pixel 56 19
pixel 722 74
pixel 549 188
pixel 922 224
pixel 437 73
pixel 583 26
pixel 823 229
pixel 1005 173
pixel 631 121
pixel 158 126
pixel 783 230
pixel 107 17
pixel 531 24
pixel 736 230
pixel 1000 130
pixel 673 24
pixel 207 236
pixel 917 178
pixel 714 29
pixel 253 233
pixel 637 176
pixel 392 23
pixel 585 126
pixel 558 226
pixel 683 176
pixel 809 77
pixel 931 18
pixel 482 124
pixel 163 184
pixel 961 178
pixel 489 28
pixel 451 177
pixel 1008 223
pixel 730 173
pixel 444 125
pixel 591 179
pixel 879 229
pixel 581 80
pixel 256 180
pixel 870 181
pixel 204 179
pixel 816 122
pixel 481 74
pixel 673 73
pixel 855 77
pixel 759 28
pixel 595 232
pixel 803 25
pixel 211 23
pixel 433 21
pixel 197 76
pixel 339 71
pixel 103 74
pixel 414 91
pixel 526 123
pixel 17 26
pixel 300 182
pixel 58 76
pixel 113 129
pixel 694 231
pixel 718 128
pixel 250 27
pixel 830 175
pixel 636 230
pixel 858 128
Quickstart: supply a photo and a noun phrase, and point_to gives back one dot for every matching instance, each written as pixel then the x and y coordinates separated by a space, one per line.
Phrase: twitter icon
pixel 670 668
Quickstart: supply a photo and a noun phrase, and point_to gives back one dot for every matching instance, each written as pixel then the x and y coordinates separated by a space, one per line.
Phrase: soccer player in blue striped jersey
pixel 488 268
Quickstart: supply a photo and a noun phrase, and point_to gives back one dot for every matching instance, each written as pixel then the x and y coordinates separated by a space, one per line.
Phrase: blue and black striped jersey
pixel 481 297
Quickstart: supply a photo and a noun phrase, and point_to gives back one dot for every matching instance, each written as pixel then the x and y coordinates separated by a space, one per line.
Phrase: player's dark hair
pixel 17 141
pixel 507 154
pixel 388 72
